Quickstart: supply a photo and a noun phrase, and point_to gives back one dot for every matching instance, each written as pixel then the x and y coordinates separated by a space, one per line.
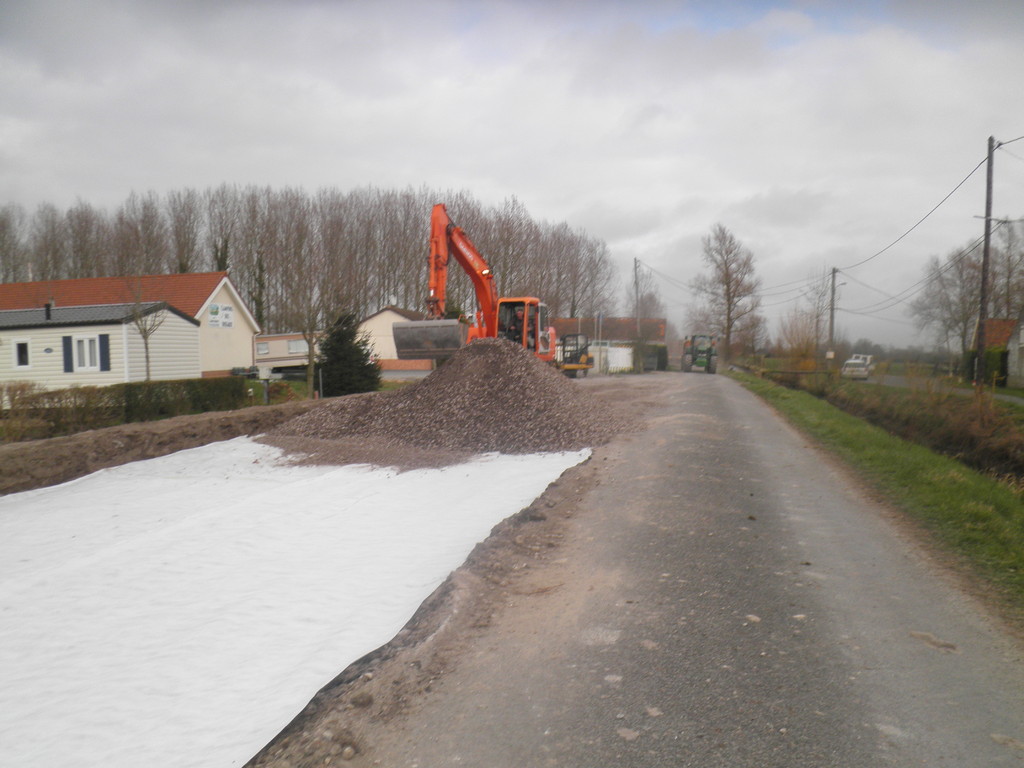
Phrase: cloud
pixel 817 131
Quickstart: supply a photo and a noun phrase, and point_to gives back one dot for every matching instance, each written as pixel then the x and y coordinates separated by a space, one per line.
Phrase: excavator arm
pixel 438 337
pixel 447 241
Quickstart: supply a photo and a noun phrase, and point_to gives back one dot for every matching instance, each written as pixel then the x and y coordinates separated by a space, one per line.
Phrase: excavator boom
pixel 520 319
pixel 438 337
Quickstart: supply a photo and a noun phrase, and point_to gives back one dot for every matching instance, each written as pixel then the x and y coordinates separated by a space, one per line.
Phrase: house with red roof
pixel 60 333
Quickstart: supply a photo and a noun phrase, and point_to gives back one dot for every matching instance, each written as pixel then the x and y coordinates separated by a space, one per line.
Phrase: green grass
pixel 974 517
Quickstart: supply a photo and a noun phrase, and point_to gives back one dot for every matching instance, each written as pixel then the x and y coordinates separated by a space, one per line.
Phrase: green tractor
pixel 700 351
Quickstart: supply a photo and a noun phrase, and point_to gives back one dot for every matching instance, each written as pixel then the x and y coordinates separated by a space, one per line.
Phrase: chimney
pixel 49 310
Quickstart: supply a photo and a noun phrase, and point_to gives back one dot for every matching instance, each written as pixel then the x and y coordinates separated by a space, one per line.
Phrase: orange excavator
pixel 521 319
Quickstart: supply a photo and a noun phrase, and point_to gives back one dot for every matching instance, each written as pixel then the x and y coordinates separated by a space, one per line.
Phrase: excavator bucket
pixel 428 339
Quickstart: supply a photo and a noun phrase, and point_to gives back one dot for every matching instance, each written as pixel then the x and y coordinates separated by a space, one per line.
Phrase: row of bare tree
pixel 301 259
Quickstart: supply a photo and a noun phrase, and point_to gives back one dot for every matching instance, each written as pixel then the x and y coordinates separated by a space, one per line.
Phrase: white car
pixel 855 369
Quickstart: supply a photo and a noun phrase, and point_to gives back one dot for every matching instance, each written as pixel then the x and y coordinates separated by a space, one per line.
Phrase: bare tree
pixel 949 303
pixel 88 241
pixel 147 320
pixel 14 261
pixel 48 244
pixel 1007 275
pixel 300 283
pixel 799 334
pixel 140 236
pixel 222 221
pixel 256 252
pixel 185 214
pixel 730 290
pixel 579 279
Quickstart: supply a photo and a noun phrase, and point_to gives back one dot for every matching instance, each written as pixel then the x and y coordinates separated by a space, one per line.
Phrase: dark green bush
pixel 33 414
pixel 996 365
pixel 345 362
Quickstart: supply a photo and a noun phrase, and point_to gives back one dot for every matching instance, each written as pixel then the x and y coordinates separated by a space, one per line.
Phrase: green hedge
pixel 31 413
pixel 996 365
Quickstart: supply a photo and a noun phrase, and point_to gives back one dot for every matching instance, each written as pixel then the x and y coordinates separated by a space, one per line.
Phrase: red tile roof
pixel 998 332
pixel 187 292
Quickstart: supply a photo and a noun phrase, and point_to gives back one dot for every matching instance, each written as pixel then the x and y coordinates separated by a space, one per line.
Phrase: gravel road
pixel 709 591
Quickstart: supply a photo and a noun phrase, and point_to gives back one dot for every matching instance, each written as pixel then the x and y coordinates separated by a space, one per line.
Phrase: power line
pixel 876 317
pixel 862 283
pixel 921 221
pixel 908 293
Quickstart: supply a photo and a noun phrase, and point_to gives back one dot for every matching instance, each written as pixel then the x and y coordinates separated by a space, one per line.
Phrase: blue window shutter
pixel 69 358
pixel 104 351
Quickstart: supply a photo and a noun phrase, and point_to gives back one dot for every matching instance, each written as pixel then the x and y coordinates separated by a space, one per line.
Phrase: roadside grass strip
pixel 972 516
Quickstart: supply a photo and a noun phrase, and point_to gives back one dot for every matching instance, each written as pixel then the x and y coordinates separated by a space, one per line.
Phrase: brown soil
pixel 39 463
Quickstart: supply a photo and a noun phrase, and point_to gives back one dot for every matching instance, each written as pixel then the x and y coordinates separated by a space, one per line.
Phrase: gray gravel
pixel 491 396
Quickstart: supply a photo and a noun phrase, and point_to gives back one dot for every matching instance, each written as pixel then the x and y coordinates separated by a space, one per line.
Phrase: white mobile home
pixel 57 347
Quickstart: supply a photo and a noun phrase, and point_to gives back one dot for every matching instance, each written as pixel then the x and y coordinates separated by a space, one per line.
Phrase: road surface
pixel 724 596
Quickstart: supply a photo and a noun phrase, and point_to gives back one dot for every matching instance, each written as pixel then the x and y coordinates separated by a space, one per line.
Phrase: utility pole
pixel 832 320
pixel 638 351
pixel 979 369
pixel 636 294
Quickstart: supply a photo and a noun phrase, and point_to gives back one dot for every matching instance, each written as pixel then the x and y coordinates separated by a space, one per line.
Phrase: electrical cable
pixel 921 221
pixel 848 276
pixel 914 289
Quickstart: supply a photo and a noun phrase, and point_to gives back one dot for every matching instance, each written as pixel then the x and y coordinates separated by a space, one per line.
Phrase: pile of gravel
pixel 492 395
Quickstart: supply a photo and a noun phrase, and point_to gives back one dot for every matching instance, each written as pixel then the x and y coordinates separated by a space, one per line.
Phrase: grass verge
pixel 974 517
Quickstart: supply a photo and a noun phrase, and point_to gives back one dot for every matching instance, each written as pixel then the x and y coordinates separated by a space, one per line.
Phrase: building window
pixel 87 353
pixel 297 347
pixel 262 348
pixel 21 358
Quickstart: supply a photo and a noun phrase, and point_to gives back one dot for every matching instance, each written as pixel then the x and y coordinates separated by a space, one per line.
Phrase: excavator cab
pixel 524 320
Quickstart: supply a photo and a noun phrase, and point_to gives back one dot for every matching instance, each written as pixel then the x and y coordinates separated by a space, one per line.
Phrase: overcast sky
pixel 818 132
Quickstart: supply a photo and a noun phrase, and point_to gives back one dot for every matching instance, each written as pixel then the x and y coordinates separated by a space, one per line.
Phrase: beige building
pixel 378 329
pixel 275 354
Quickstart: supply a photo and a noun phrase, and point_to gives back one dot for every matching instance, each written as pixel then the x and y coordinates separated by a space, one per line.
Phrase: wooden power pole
pixel 832 320
pixel 979 368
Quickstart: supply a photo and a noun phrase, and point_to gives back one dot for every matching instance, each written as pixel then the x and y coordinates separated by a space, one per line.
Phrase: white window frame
pixel 84 340
pixel 262 347
pixel 304 350
pixel 14 351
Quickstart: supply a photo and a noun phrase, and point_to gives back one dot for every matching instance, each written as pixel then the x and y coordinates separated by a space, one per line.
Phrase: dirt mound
pixel 492 395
